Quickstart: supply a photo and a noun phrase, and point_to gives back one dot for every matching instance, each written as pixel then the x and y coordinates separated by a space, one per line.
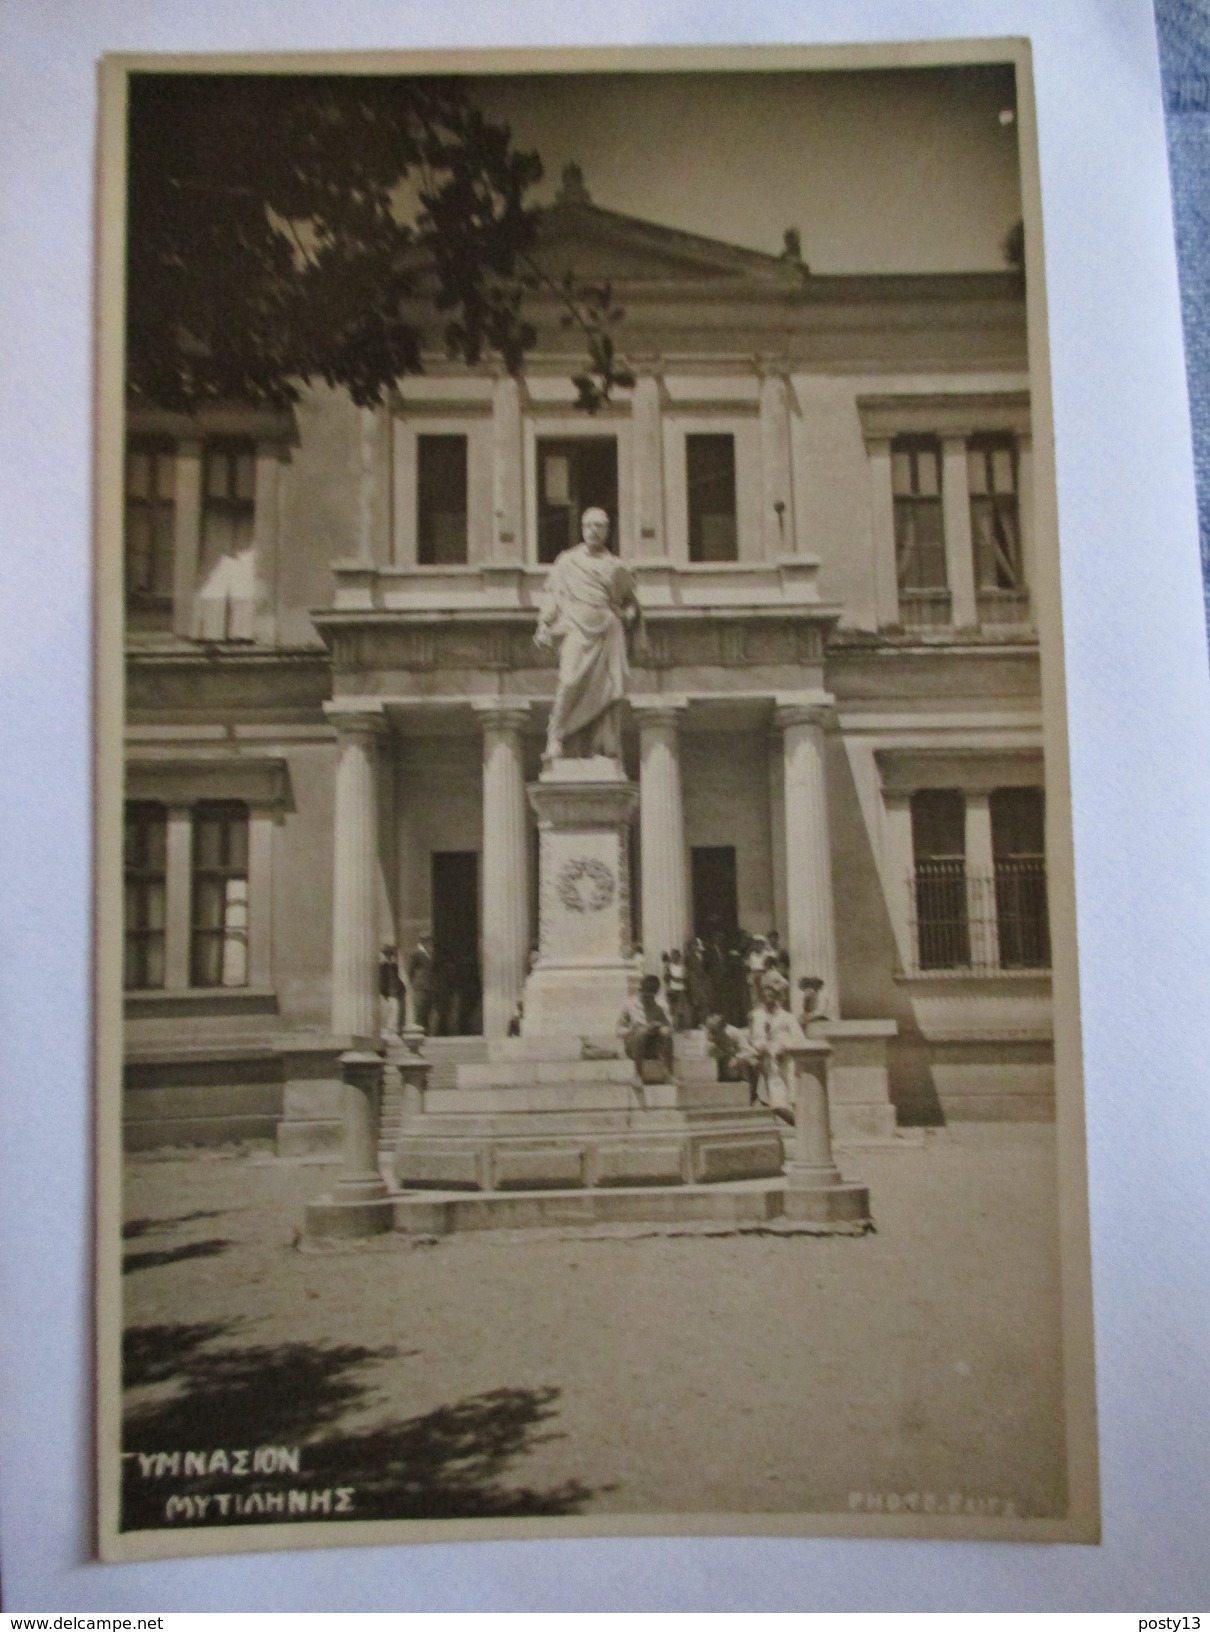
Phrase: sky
pixel 909 170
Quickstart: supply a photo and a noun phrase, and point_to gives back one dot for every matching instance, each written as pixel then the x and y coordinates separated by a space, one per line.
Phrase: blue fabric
pixel 1184 39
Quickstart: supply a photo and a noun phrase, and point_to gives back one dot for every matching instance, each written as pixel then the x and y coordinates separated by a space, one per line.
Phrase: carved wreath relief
pixel 585 885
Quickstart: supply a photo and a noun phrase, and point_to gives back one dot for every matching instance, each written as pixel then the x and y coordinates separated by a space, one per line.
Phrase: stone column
pixel 355 945
pixel 777 488
pixel 508 466
pixel 505 861
pixel 648 467
pixel 665 868
pixel 882 523
pixel 811 925
pixel 899 874
pixel 959 547
pixel 261 822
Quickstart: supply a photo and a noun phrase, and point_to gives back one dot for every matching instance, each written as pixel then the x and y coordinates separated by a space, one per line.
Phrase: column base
pixel 820 1195
pixel 354 1209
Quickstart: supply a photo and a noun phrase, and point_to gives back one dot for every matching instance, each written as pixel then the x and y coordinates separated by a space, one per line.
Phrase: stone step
pixel 690 1045
pixel 513 1049
pixel 758 1206
pixel 583 1096
pixel 532 1073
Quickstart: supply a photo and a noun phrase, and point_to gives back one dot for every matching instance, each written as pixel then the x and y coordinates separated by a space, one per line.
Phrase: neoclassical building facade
pixel 823 486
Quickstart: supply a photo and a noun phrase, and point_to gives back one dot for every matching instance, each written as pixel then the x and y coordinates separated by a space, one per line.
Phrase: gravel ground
pixel 562 1371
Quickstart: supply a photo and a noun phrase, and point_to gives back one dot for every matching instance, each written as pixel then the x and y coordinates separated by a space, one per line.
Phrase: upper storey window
pixel 710 475
pixel 574 474
pixel 441 501
pixel 919 523
pixel 995 526
pixel 150 524
pixel 226 568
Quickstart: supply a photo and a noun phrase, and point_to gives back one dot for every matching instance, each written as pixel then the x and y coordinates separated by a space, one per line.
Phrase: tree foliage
pixel 287 228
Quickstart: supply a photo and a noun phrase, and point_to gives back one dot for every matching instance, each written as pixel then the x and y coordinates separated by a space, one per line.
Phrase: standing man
pixel 391 991
pixel 420 973
pixel 588 607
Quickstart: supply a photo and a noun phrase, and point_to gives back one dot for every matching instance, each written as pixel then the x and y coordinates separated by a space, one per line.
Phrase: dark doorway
pixel 457 987
pixel 574 473
pixel 715 896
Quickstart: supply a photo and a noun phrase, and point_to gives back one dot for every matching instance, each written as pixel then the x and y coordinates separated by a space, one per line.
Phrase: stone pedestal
pixel 311 1126
pixel 815 1190
pixel 859 1095
pixel 584 973
pixel 360 1203
pixel 405 1078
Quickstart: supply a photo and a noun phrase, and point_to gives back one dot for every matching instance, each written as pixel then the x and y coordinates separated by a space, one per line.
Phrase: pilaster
pixel 187 533
pixel 508 466
pixel 777 485
pixel 959 548
pixel 261 822
pixel 648 465
pixel 980 874
pixel 178 892
pixel 882 525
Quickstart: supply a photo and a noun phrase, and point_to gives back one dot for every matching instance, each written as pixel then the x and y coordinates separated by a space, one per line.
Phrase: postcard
pixel 587 1029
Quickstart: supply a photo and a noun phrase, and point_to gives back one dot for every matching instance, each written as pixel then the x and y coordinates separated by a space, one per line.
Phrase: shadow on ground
pixel 136 1227
pixel 447 1463
pixel 157 1258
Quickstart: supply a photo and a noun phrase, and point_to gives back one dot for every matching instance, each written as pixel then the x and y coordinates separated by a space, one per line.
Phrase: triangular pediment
pixel 595 244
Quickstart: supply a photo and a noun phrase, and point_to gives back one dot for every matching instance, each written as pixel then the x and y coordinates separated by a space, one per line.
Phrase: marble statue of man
pixel 588 606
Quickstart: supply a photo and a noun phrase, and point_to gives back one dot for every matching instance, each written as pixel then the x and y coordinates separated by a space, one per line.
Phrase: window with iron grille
pixel 441 502
pixel 145 859
pixel 710 476
pixel 150 523
pixel 991 468
pixel 919 523
pixel 1018 817
pixel 575 474
pixel 939 882
pixel 220 895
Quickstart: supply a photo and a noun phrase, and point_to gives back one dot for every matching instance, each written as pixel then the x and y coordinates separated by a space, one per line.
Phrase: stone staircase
pixel 568 1113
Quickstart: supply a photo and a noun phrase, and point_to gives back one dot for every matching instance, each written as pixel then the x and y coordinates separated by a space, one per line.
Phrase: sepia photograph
pixel 586 999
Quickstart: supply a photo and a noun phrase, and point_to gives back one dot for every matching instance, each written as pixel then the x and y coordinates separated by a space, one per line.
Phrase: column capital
pixel 773 366
pixel 819 710
pixel 651 713
pixel 646 365
pixel 502 713
pixel 366 719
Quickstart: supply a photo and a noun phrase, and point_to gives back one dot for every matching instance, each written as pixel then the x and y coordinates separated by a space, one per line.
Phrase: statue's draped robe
pixel 584 599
